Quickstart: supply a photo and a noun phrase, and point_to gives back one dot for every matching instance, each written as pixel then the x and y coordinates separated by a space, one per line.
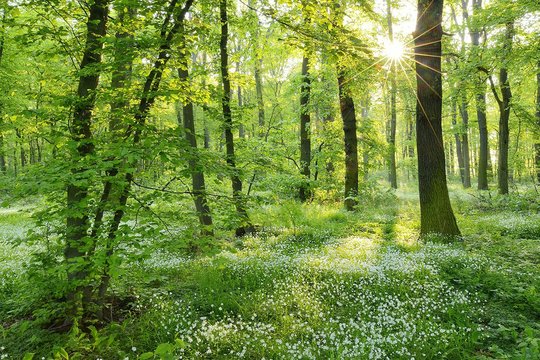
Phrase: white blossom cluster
pixel 348 298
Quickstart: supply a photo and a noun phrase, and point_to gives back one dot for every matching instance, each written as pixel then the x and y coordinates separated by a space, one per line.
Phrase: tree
pixel 537 145
pixel 435 209
pixel 504 103
pixel 245 226
pixel 348 114
pixel 305 133
pixel 197 175
pixel 77 224
pixel 392 171
pixel 480 98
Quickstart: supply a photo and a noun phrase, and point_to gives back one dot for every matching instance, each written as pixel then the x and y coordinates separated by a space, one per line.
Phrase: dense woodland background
pixel 328 179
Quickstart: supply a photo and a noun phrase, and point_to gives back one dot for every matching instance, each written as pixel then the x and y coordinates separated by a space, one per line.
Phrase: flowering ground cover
pixel 314 283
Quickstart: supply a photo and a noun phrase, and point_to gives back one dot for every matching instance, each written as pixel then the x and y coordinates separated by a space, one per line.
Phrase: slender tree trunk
pixel 305 133
pixel 435 209
pixel 197 176
pixel 537 145
pixel 365 148
pixel 450 157
pixel 147 100
pixel 392 171
pixel 463 109
pixel 504 108
pixel 245 226
pixel 480 99
pixel 459 146
pixel 77 224
pixel 348 115
pixel 3 168
pixel 259 91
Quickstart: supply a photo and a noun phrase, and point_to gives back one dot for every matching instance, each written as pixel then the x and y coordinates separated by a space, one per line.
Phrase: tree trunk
pixel 365 147
pixel 245 226
pixel 436 212
pixel 259 90
pixel 480 97
pixel 504 115
pixel 459 146
pixel 77 240
pixel 392 171
pixel 537 145
pixel 197 176
pixel 305 133
pixel 348 115
pixel 463 110
pixel 3 168
pixel 147 100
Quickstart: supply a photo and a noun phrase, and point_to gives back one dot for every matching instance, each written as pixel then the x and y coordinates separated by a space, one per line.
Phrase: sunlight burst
pixel 394 50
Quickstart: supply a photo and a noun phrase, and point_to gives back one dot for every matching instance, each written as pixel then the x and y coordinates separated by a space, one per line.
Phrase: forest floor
pixel 316 283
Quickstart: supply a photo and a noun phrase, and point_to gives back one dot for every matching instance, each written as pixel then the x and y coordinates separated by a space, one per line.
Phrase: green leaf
pixel 146 355
pixel 28 356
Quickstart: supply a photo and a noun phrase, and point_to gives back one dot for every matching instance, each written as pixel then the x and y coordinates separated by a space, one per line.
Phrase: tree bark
pixel 305 132
pixel 348 115
pixel 245 226
pixel 436 212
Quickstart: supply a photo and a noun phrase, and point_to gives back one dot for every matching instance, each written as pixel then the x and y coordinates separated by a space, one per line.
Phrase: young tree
pixel 480 98
pixel 245 226
pixel 348 114
pixel 305 133
pixel 435 209
pixel 504 103
pixel 188 118
pixel 392 171
pixel 537 145
pixel 77 222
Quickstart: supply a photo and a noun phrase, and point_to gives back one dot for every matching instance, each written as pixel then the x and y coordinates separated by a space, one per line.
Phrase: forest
pixel 269 179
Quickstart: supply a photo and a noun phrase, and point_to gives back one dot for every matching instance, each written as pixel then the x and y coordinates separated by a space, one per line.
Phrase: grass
pixel 315 283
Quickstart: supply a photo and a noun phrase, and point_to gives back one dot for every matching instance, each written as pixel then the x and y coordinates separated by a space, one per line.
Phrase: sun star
pixel 393 50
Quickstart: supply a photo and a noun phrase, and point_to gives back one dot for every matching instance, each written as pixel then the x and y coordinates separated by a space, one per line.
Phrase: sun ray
pixel 425 82
pixel 422 54
pixel 424 65
pixel 419 102
pixel 354 76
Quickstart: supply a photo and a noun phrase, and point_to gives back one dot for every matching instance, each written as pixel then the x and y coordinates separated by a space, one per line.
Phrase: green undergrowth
pixel 316 282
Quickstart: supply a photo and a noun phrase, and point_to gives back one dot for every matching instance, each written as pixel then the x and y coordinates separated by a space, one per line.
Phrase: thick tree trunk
pixel 245 226
pixel 348 115
pixel 77 224
pixel 504 115
pixel 435 209
pixel 305 132
pixel 197 176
